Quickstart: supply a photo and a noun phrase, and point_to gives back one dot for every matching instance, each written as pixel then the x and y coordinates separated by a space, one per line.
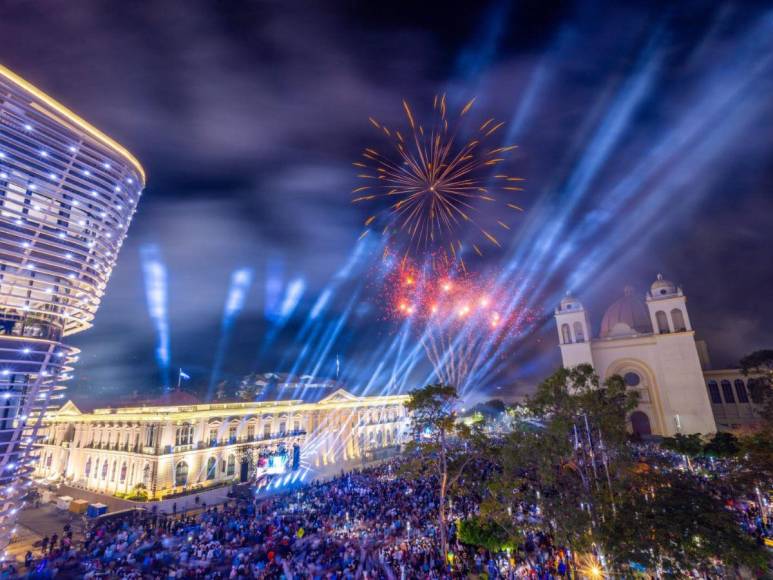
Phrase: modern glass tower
pixel 67 196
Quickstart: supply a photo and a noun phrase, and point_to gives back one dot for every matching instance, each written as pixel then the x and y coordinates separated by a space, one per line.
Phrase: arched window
pixel 379 439
pixel 211 468
pixel 104 469
pixel 714 393
pixel 96 469
pixel 579 335
pixel 231 467
pixel 87 468
pixel 123 472
pixel 566 335
pixel 727 392
pixel 678 319
pixel 662 320
pixel 49 459
pixel 112 472
pixel 146 474
pixel 740 390
pixel 181 474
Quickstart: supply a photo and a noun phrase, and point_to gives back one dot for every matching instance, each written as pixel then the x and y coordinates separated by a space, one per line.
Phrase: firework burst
pixel 459 318
pixel 432 184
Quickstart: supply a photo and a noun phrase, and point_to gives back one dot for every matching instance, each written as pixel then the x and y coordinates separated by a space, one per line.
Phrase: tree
pixel 567 466
pixel 760 365
pixel 722 445
pixel 479 532
pixel 594 490
pixel 441 447
pixel 689 445
pixel 673 524
pixel 755 469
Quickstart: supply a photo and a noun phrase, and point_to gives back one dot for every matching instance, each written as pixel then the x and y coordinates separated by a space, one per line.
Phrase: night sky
pixel 645 134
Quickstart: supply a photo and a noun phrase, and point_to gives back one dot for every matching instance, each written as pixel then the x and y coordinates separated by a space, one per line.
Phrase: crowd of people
pixel 366 524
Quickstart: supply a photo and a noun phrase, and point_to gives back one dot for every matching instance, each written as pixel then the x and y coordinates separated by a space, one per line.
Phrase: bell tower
pixel 668 307
pixel 574 332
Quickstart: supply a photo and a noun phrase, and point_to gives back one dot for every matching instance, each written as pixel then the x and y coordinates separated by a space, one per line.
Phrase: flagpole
pixel 179 378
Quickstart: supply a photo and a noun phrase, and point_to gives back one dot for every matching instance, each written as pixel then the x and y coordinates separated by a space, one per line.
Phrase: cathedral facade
pixel 651 343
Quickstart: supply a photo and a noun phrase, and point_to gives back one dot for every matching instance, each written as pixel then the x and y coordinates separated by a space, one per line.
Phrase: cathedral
pixel 651 343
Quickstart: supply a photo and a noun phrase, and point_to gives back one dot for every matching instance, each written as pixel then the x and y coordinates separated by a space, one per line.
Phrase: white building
pixel 651 344
pixel 177 444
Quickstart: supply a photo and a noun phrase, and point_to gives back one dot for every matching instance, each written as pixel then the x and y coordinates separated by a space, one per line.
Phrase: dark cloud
pixel 247 116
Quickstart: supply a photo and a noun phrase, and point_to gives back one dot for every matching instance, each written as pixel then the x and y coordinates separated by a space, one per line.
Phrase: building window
pixel 282 427
pixel 213 436
pixel 181 474
pixel 87 469
pixel 662 320
pixel 566 334
pixel 150 436
pixel 678 319
pixel 297 426
pixel 184 435
pixel 579 335
pixel 232 433
pixel 123 472
pixel 250 432
pixel 740 390
pixel 727 392
pixel 267 431
pixel 231 469
pixel 714 393
pixel 112 472
pixel 211 468
pixel 104 469
pixel 632 379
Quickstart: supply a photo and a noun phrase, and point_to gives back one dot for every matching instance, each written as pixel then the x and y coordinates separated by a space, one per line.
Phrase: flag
pixel 184 375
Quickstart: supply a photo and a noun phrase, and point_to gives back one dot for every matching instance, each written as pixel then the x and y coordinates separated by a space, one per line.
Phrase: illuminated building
pixel 651 344
pixel 731 398
pixel 175 444
pixel 67 196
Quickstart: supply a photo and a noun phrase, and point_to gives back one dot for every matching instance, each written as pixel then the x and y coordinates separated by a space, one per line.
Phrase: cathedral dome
pixel 627 315
pixel 662 287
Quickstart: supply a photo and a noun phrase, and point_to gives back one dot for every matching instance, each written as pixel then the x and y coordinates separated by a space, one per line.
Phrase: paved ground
pixel 113 504
pixel 34 523
pixel 45 520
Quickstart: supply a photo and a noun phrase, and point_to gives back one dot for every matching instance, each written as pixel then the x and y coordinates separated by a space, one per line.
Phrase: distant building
pixel 177 444
pixel 67 195
pixel 651 344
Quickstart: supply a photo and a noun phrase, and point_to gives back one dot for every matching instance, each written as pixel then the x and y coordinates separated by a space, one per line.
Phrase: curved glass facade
pixel 67 195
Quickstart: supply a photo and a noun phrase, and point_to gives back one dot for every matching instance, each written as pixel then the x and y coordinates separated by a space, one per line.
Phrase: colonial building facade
pixel 176 446
pixel 651 343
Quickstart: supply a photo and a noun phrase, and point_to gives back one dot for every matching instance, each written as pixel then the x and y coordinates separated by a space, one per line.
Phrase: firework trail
pixel 459 317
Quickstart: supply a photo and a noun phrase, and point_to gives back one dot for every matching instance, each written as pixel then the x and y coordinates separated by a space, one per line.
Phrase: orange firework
pixel 435 187
pixel 461 319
